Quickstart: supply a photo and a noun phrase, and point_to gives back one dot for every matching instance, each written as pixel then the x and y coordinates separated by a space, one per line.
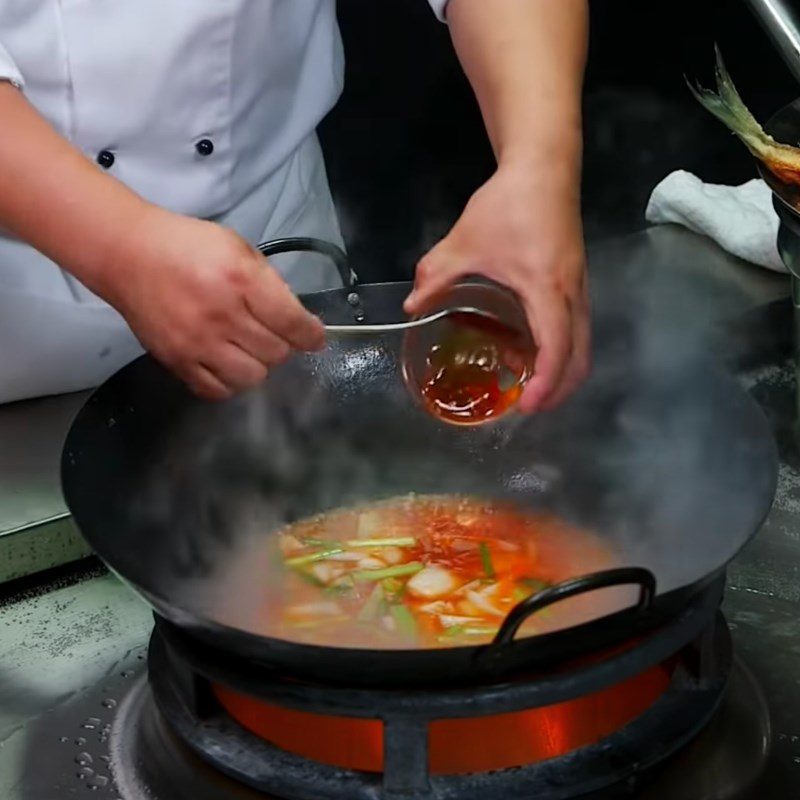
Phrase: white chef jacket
pixel 205 107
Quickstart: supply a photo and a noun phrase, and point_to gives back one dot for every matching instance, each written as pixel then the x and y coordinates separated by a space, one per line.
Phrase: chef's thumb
pixel 436 272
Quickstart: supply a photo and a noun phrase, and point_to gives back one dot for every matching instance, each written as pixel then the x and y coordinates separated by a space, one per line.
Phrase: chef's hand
pixel 205 303
pixel 523 229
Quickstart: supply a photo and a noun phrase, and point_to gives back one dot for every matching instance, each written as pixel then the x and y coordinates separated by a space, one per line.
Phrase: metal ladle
pixel 350 280
pixel 411 323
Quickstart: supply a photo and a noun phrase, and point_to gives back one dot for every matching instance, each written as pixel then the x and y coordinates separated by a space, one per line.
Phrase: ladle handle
pixel 623 576
pixel 304 244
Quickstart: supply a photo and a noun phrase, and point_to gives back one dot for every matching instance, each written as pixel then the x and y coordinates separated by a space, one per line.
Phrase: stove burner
pixel 730 753
pixel 152 763
pixel 622 759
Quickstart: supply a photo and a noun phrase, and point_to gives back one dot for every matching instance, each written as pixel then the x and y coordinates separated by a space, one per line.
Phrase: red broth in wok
pixel 429 571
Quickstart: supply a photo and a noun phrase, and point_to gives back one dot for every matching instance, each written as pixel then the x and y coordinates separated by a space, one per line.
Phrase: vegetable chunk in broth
pixel 429 571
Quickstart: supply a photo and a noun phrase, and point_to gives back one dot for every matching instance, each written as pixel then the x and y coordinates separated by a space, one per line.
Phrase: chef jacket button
pixel 105 158
pixel 205 147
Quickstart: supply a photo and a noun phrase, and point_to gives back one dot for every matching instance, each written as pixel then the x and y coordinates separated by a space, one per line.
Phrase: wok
pixel 661 454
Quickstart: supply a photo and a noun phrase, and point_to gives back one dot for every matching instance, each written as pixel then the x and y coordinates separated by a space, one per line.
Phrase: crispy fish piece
pixel 782 160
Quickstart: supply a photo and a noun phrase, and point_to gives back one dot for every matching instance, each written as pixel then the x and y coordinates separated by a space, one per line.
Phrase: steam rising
pixel 660 452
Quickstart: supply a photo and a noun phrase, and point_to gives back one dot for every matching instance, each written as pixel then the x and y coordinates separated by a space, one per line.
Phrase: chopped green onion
pixel 311 542
pixel 398 541
pixel 393 589
pixel 366 575
pixel 453 632
pixel 309 578
pixel 310 558
pixel 481 630
pixel 404 619
pixel 342 586
pixel 486 560
pixel 534 584
pixel 527 587
pixel 316 623
pixel 372 607
pixel 521 593
pixel 459 631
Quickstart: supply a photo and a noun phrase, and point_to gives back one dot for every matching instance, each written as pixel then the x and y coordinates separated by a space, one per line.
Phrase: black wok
pixel 661 453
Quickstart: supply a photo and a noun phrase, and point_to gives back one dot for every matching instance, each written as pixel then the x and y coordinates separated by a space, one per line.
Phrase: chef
pixel 144 148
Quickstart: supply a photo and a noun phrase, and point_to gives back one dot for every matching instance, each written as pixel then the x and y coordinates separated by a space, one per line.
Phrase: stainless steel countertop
pixel 35 529
pixel 31 435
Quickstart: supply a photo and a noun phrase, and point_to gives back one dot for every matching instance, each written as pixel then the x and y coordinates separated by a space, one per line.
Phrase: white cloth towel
pixel 740 219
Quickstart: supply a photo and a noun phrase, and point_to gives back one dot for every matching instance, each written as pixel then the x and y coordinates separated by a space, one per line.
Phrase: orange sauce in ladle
pixel 476 371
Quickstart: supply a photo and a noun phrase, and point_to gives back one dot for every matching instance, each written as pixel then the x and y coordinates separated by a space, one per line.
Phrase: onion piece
pixel 436 607
pixel 481 603
pixel 347 555
pixel 326 573
pixel 453 620
pixel 370 562
pixel 469 587
pixel 392 555
pixel 432 582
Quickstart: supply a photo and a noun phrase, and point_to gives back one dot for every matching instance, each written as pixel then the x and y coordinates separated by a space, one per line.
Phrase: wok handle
pixel 586 583
pixel 304 244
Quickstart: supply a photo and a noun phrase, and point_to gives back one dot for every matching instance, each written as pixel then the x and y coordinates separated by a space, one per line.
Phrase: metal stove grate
pixel 621 760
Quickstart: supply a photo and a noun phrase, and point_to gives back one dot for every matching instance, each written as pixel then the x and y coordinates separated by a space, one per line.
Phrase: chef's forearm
pixel 56 199
pixel 525 60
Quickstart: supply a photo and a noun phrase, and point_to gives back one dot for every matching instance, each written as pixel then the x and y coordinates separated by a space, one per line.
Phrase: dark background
pixel 406 147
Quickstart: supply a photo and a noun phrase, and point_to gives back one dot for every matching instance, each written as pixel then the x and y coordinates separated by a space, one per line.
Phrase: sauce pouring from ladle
pixel 468 370
pixel 466 361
